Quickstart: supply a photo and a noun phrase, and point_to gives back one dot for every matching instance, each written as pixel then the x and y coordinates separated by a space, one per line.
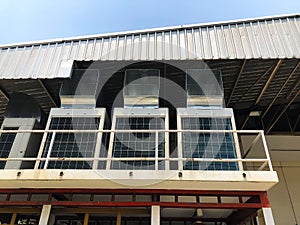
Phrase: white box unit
pixel 204 88
pixel 19 145
pixel 210 145
pixel 81 90
pixel 139 150
pixel 74 144
pixel 141 88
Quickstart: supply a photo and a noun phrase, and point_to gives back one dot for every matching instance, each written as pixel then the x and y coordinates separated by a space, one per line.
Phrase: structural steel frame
pixel 255 199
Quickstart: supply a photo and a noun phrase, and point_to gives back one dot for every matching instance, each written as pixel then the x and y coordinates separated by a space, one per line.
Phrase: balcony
pixel 163 169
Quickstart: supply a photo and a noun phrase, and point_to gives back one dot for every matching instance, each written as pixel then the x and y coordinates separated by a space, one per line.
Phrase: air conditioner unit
pixel 211 143
pixel 74 144
pixel 125 147
pixel 22 113
pixel 78 114
pixel 130 149
pixel 205 112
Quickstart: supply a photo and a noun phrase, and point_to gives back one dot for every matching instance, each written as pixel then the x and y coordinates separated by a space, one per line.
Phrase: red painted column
pixel 266 209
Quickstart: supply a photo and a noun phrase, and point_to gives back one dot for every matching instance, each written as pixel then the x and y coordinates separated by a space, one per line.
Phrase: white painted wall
pixel 285 156
pixel 285 196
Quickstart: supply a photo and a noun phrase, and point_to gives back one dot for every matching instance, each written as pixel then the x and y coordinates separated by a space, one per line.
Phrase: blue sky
pixel 28 20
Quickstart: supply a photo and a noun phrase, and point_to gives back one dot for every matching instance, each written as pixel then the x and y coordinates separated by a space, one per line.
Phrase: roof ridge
pixel 148 30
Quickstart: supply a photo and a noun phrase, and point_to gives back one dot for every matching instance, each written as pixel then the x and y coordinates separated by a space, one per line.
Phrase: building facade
pixel 195 124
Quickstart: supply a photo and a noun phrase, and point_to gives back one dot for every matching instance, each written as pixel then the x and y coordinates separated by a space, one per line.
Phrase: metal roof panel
pixel 267 38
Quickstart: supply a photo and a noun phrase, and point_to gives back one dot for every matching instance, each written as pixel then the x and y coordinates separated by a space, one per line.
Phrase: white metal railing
pixel 263 163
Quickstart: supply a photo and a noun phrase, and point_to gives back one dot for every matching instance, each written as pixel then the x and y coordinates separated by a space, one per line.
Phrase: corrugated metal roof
pixel 266 38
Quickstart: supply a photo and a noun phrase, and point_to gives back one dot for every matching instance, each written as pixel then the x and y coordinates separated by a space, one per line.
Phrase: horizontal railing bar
pixel 51 159
pixel 132 131
pixel 135 159
pixel 192 159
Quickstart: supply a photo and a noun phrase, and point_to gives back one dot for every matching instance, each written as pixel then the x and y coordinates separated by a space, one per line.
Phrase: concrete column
pixel 119 218
pixel 45 215
pixel 268 216
pixel 155 215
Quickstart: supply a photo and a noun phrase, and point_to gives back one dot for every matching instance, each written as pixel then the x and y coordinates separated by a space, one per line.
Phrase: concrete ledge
pixel 112 179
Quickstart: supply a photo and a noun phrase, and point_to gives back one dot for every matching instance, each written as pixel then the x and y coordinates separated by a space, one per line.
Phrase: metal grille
pixel 142 144
pixel 76 145
pixel 6 143
pixel 208 145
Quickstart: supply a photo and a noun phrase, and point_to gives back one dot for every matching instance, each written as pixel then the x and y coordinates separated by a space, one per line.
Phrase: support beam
pixel 23 210
pixel 119 218
pixel 253 85
pixel 48 93
pixel 268 81
pixel 296 84
pixel 86 219
pixel 296 123
pixel 251 146
pixel 283 111
pixel 288 121
pixel 280 90
pixel 245 122
pixel 155 215
pixel 236 81
pixel 45 215
pixel 99 210
pixel 13 219
pixel 137 204
pixel 4 94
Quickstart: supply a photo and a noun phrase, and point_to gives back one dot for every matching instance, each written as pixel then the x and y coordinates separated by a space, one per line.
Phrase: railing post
pixel 266 150
pixel 40 153
pixel 156 150
pixel 167 143
pixel 50 149
pixel 180 150
pixel 110 150
pixel 98 148
pixel 238 150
